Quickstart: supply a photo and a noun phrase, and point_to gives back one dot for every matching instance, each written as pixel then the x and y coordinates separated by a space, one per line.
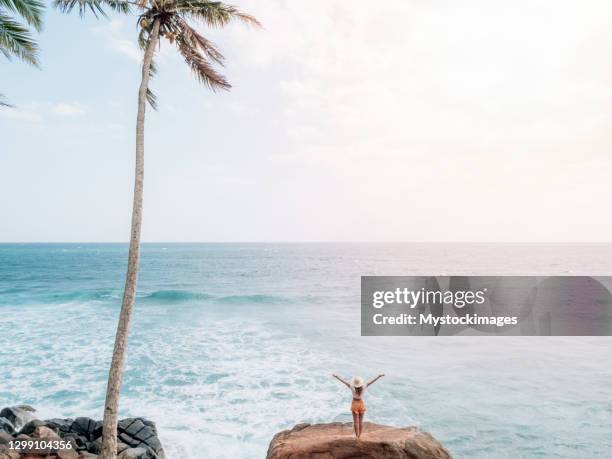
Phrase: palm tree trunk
pixel 115 376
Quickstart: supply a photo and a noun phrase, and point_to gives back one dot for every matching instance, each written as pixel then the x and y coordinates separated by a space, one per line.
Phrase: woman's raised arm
pixel 342 381
pixel 375 379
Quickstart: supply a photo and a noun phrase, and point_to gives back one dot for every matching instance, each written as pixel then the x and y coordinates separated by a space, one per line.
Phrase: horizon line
pixel 308 242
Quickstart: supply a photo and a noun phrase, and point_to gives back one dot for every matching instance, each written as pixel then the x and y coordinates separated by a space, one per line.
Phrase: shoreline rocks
pixel 137 437
pixel 337 441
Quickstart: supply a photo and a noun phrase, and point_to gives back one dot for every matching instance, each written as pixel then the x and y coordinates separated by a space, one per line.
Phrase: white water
pixel 220 373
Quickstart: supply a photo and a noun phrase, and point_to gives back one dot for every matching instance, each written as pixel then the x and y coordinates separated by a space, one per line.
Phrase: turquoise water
pixel 234 342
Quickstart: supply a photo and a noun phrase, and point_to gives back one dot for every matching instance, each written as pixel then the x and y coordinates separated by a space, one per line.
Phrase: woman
pixel 358 408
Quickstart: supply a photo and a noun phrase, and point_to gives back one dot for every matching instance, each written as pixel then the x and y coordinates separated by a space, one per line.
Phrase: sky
pixel 410 120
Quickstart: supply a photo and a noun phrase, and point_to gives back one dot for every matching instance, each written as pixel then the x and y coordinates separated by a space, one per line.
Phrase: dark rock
pixel 151 424
pixel 121 447
pixel 60 425
pixel 139 432
pixel 31 426
pixel 87 427
pixel 79 442
pixel 134 428
pixel 138 435
pixel 155 445
pixel 95 447
pixel 18 416
pixel 6 426
pixel 337 441
pixel 26 408
pixel 97 432
pixel 128 440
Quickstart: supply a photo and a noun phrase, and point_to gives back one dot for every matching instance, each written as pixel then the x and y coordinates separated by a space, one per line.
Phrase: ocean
pixel 232 343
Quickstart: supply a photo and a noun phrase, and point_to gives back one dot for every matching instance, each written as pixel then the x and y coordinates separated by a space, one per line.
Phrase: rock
pixel 95 447
pixel 31 426
pixel 79 442
pixel 26 408
pixel 139 432
pixel 121 447
pixel 6 426
pixel 135 453
pixel 60 425
pixel 138 435
pixel 337 441
pixel 6 453
pixel 23 437
pixel 67 454
pixel 87 427
pixel 18 416
pixel 5 437
pixel 46 433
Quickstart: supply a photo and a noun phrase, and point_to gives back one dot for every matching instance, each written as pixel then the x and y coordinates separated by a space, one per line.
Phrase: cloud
pixel 122 38
pixel 114 33
pixel 69 109
pixel 35 112
pixel 446 78
pixel 127 48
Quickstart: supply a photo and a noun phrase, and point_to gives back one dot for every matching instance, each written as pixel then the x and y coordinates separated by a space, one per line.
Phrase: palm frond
pixel 152 99
pixel 120 6
pixel 143 41
pixel 196 39
pixel 4 102
pixel 97 7
pixel 200 65
pixel 30 10
pixel 16 40
pixel 213 14
pixel 152 69
pixel 151 96
pixel 143 36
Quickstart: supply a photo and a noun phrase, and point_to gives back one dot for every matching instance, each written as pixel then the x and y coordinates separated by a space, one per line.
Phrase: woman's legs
pixel 356 423
pixel 360 424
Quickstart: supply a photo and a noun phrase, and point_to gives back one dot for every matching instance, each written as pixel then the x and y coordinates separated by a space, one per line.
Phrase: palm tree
pixel 15 38
pixel 169 19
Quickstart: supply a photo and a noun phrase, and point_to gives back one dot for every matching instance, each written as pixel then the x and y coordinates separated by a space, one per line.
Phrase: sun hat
pixel 357 381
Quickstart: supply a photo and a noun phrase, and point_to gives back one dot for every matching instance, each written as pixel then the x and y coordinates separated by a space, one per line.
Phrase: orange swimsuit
pixel 357 406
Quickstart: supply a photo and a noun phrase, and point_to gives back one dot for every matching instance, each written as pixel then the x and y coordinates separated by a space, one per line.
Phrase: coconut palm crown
pixel 15 38
pixel 173 19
